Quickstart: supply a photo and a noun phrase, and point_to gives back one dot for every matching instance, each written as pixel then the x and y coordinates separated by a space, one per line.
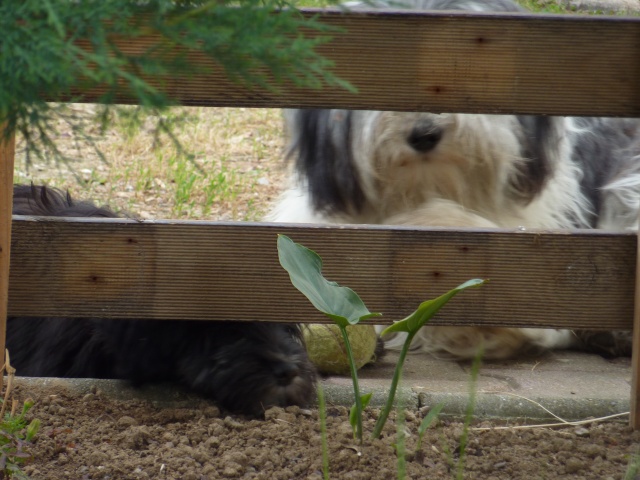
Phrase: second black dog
pixel 245 367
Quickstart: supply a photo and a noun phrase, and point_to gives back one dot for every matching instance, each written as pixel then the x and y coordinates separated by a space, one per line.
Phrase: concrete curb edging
pixel 574 386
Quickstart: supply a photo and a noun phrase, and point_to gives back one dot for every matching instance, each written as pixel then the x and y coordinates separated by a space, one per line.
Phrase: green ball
pixel 325 346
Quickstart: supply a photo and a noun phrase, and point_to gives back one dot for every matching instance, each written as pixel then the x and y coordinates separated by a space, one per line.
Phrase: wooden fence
pixel 485 63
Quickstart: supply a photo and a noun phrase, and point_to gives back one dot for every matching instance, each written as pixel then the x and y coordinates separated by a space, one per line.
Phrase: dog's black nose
pixel 285 373
pixel 424 138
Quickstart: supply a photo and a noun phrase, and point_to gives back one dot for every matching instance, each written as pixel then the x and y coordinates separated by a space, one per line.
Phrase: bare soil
pixel 91 436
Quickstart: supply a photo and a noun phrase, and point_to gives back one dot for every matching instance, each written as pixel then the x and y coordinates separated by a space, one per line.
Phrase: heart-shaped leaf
pixel 304 266
pixel 428 309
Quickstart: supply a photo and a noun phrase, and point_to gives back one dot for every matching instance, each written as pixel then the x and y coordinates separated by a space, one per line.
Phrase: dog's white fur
pixel 463 170
pixel 482 151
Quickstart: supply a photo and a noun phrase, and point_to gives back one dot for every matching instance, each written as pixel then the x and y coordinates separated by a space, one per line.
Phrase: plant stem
pixel 322 413
pixel 354 377
pixel 384 414
pixel 401 448
pixel 471 405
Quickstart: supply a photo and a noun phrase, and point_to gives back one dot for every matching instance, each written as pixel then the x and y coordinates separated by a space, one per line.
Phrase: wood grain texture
pixel 220 271
pixel 7 155
pixel 445 62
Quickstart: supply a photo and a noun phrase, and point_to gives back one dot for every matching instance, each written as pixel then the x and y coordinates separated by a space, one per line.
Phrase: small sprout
pixel 353 412
pixel 322 413
pixel 15 434
pixel 411 325
pixel 345 308
pixel 32 430
pixel 341 304
pixel 426 423
pixel 26 406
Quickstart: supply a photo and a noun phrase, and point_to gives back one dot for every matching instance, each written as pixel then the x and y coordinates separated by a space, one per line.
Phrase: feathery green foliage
pixel 61 50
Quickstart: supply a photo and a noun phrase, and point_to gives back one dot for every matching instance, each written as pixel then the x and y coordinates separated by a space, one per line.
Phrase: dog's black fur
pixel 244 366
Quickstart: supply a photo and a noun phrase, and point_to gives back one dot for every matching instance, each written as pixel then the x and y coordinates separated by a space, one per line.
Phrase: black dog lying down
pixel 244 366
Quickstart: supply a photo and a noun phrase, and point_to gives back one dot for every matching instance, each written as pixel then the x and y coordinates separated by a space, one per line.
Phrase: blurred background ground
pixel 232 167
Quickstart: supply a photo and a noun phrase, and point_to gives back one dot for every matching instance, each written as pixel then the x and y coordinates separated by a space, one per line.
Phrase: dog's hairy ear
pixel 538 136
pixel 321 144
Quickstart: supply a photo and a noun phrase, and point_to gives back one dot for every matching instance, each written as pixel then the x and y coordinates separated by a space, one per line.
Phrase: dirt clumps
pixel 94 437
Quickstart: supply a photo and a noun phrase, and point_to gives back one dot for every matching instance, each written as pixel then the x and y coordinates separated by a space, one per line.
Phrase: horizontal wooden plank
pixel 452 62
pixel 219 271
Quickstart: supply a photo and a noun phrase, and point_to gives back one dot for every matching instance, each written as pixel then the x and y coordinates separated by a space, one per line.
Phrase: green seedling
pixel 401 444
pixel 353 412
pixel 410 326
pixel 468 416
pixel 426 423
pixel 15 438
pixel 322 413
pixel 344 307
pixel 341 304
pixel 16 434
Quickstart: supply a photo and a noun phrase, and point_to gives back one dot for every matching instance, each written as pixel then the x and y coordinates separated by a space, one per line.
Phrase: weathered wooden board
pixel 219 271
pixel 452 62
pixel 7 153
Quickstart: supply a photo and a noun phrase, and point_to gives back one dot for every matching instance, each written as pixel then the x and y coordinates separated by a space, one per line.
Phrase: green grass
pixel 233 172
pixel 545 6
pixel 552 6
pixel 633 469
pixel 469 414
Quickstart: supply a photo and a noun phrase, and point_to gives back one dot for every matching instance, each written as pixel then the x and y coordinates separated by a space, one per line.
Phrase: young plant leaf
pixel 427 421
pixel 32 430
pixel 428 309
pixel 353 411
pixel 340 304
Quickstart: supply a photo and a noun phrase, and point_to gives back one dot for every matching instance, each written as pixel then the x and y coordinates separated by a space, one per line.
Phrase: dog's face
pixel 371 166
pixel 408 159
pixel 380 166
pixel 255 366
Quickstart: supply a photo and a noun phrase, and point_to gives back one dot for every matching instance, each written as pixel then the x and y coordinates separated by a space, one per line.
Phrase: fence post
pixel 7 155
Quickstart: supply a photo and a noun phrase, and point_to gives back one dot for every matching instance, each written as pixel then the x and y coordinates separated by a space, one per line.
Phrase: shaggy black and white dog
pixel 467 170
pixel 244 366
